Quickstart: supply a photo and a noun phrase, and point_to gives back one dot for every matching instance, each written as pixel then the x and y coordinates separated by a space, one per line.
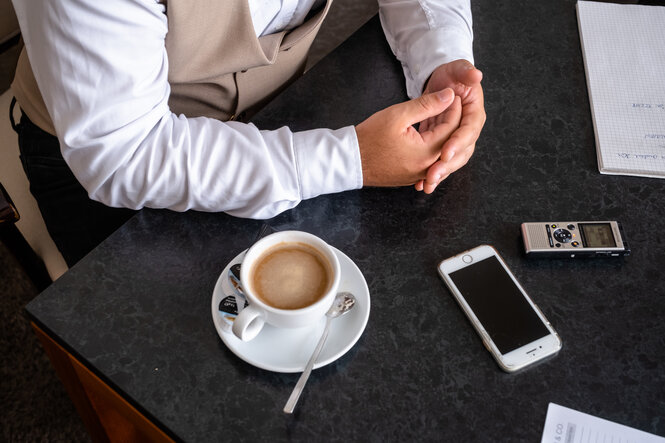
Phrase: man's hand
pixel 463 78
pixel 393 152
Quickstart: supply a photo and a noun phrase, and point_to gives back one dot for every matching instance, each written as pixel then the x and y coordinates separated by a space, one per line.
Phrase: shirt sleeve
pixel 102 69
pixel 424 34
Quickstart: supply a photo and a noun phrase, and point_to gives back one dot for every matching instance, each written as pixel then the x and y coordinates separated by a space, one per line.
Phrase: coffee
pixel 291 275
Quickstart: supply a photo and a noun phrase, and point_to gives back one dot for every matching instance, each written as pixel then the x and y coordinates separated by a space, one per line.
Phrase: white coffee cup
pixel 251 319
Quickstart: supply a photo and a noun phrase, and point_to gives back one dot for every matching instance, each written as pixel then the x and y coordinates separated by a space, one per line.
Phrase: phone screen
pixel 499 304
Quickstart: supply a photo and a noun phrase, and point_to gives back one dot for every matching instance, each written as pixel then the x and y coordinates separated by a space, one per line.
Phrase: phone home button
pixel 467 258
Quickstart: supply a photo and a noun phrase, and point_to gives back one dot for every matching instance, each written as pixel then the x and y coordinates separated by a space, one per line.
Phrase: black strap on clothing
pixel 11 114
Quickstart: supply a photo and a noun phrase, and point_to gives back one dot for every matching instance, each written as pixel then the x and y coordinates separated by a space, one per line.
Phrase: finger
pixel 437 173
pixel 473 119
pixel 456 71
pixel 444 167
pixel 445 124
pixel 451 116
pixel 429 188
pixel 464 77
pixel 467 73
pixel 423 126
pixel 441 169
pixel 419 185
pixel 423 107
pixel 446 117
pixel 461 159
pixel 459 75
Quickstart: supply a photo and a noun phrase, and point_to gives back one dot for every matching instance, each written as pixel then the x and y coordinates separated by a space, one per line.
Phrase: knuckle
pixel 425 102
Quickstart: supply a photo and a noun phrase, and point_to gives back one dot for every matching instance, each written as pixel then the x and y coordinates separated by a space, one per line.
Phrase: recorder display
pixel 597 235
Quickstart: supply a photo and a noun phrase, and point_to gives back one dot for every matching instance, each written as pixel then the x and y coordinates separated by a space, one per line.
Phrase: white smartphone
pixel 509 323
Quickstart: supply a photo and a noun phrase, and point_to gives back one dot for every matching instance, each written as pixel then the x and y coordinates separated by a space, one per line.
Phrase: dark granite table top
pixel 136 311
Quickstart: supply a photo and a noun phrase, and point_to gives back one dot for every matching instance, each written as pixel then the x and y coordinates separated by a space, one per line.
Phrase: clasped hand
pixel 450 114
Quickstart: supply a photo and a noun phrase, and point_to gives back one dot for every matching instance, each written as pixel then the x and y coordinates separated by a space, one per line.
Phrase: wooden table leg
pixel 107 416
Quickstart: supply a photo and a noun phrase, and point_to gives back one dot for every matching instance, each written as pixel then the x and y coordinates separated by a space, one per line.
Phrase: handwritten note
pixel 624 59
pixel 564 425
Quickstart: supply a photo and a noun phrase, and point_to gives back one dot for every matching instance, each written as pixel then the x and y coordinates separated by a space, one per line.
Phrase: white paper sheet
pixel 624 57
pixel 565 425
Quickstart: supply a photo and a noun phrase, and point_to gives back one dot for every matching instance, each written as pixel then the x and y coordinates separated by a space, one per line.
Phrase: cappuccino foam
pixel 291 275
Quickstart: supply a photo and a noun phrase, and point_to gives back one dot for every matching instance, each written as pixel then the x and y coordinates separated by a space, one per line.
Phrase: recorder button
pixel 562 235
pixel 571 227
pixel 575 244
pixel 549 236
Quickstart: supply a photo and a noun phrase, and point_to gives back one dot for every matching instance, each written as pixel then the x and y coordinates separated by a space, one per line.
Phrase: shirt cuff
pixel 327 161
pixel 436 47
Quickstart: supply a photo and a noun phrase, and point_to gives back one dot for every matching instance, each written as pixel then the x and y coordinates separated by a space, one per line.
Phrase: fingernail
pixel 449 156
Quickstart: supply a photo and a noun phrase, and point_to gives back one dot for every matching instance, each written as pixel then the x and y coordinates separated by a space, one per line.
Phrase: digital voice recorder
pixel 574 239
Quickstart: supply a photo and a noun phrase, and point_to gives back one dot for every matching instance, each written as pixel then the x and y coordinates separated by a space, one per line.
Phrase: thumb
pixel 426 106
pixel 467 73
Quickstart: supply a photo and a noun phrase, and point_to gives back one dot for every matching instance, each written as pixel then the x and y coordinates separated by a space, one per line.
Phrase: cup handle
pixel 248 323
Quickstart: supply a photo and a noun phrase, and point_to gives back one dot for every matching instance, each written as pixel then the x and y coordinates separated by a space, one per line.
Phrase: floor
pixel 34 405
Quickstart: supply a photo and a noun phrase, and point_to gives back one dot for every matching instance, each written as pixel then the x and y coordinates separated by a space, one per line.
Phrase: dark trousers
pixel 76 223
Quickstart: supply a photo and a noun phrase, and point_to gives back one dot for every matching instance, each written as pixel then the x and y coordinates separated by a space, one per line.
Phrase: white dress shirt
pixel 270 16
pixel 102 69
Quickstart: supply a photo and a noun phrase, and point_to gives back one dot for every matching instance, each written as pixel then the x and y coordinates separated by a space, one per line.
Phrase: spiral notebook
pixel 624 58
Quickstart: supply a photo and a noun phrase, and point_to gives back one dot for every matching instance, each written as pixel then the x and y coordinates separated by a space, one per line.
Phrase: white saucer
pixel 288 350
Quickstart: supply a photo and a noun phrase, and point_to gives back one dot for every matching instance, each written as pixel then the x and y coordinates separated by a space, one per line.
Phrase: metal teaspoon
pixel 343 303
pixel 234 278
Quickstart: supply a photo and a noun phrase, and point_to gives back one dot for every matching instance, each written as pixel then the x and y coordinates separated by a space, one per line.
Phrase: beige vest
pixel 217 66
